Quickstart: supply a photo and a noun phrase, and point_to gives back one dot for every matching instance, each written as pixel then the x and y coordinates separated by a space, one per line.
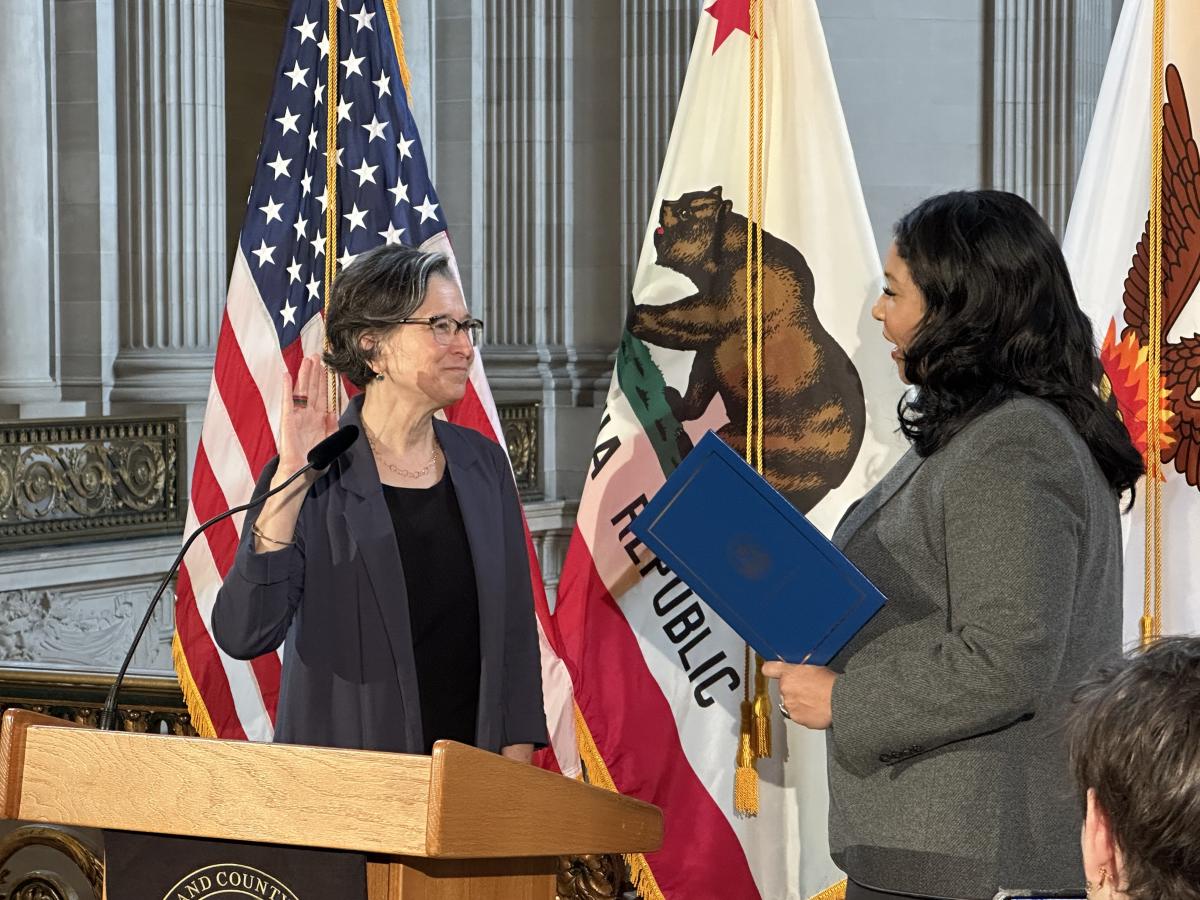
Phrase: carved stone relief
pixel 88 629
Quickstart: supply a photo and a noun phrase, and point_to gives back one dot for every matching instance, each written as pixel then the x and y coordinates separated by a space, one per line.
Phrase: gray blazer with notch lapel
pixel 1000 556
pixel 337 602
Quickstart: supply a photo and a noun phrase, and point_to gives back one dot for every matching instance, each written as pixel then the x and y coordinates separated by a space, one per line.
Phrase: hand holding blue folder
pixel 758 562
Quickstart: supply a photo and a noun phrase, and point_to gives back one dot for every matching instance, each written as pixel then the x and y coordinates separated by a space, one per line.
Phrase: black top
pixel 337 604
pixel 443 607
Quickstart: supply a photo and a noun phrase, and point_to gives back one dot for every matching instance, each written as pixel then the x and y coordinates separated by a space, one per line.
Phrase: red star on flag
pixel 731 16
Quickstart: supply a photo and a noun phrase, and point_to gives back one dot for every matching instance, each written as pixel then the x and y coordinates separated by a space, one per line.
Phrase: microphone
pixel 319 459
pixel 320 456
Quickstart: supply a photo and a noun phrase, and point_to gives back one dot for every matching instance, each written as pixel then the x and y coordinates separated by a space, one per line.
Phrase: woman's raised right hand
pixel 305 419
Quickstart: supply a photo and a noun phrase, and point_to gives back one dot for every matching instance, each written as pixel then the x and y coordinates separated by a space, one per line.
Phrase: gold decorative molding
pixel 521 423
pixel 43 885
pixel 85 479
pixel 593 877
pixel 146 704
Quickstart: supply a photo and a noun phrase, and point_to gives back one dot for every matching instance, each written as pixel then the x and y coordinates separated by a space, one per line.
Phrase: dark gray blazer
pixel 1000 556
pixel 337 602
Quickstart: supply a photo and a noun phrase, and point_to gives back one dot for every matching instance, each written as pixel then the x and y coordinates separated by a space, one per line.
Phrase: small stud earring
pixel 379 376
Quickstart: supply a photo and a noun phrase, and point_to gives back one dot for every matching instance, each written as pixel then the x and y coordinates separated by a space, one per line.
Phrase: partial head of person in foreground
pixel 1134 734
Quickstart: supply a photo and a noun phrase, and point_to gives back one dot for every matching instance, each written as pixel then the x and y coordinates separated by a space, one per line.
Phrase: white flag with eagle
pixel 1148 110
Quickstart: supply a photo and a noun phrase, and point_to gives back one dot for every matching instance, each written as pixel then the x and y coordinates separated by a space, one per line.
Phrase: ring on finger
pixel 300 400
pixel 783 709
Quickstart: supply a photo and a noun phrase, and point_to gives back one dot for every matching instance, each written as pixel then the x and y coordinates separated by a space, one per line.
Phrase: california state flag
pixel 1110 248
pixel 659 679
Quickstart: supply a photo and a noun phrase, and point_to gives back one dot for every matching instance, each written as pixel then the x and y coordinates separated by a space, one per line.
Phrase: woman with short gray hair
pixel 397 581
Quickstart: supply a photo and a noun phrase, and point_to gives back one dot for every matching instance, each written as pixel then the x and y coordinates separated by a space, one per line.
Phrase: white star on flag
pixel 344 109
pixel 400 191
pixel 402 145
pixel 288 121
pixel 264 254
pixel 306 184
pixel 375 128
pixel 272 210
pixel 280 165
pixel 293 271
pixel 365 173
pixel 318 244
pixel 301 225
pixel 382 85
pixel 355 218
pixel 314 289
pixel 318 93
pixel 352 64
pixel 323 199
pixel 298 76
pixel 289 314
pixel 363 18
pixel 392 235
pixel 312 138
pixel 324 45
pixel 347 257
pixel 307 29
pixel 427 210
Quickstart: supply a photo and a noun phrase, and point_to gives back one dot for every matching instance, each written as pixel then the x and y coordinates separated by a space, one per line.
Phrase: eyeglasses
pixel 445 328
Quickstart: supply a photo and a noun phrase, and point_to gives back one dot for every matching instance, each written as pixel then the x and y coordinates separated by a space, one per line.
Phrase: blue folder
pixel 751 556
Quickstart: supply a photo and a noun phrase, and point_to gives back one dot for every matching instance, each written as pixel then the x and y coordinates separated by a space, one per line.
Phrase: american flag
pixel 274 317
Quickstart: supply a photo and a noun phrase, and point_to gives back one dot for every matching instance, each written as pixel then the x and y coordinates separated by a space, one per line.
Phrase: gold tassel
pixel 762 712
pixel 745 778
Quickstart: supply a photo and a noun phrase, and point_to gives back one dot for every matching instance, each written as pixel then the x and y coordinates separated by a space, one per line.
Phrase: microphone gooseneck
pixel 319 459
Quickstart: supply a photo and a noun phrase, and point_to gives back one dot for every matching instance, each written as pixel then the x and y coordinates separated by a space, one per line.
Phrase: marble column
pixel 28 228
pixel 1046 58
pixel 656 43
pixel 528 134
pixel 171 178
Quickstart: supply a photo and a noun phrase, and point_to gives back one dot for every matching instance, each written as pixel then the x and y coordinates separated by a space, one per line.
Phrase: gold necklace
pixel 373 443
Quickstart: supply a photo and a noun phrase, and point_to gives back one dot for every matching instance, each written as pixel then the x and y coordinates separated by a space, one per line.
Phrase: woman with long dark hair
pixel 997 541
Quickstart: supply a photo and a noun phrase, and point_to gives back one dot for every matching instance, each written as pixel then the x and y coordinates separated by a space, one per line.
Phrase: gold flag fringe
pixel 201 721
pixel 393 17
pixel 597 774
pixel 833 892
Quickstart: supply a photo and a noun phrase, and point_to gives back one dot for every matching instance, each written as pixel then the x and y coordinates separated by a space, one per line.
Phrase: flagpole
pixel 331 208
pixel 1151 624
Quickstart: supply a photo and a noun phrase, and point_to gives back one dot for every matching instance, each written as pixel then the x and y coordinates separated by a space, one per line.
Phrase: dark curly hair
pixel 1134 737
pixel 1000 318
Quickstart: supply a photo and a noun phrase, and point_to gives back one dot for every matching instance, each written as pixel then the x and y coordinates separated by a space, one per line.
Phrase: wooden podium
pixel 462 824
